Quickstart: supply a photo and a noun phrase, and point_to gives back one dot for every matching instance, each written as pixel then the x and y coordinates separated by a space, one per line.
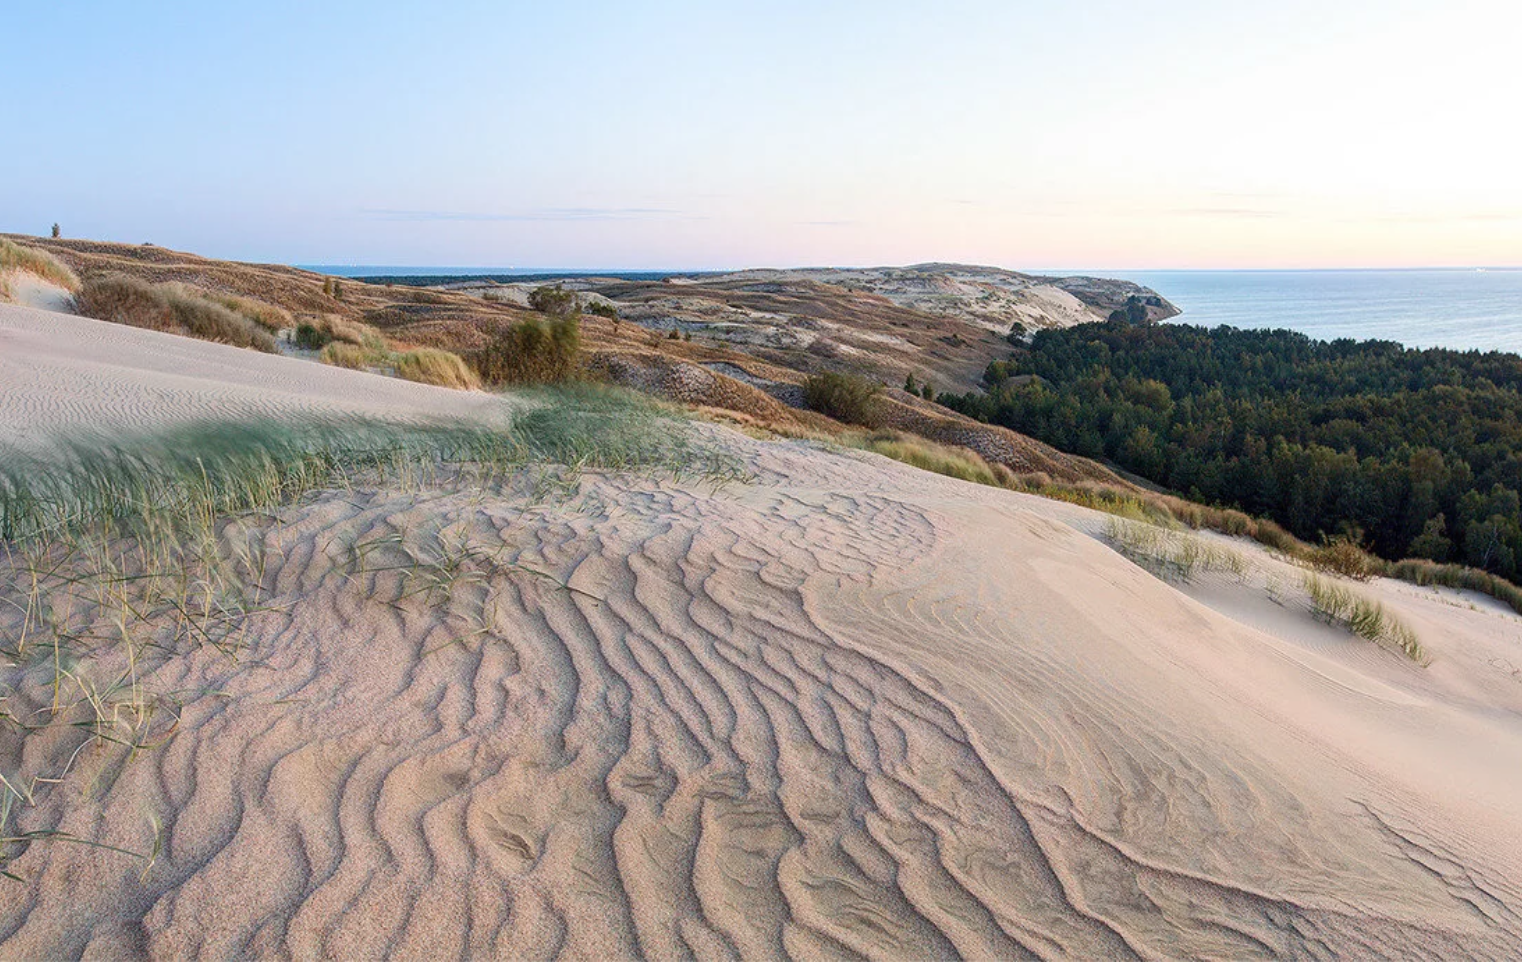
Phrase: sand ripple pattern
pixel 775 722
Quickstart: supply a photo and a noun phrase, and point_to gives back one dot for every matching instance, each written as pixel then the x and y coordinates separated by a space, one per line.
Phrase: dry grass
pixel 346 355
pixel 1172 555
pixel 173 308
pixel 15 257
pixel 431 366
pixel 1338 605
pixel 268 316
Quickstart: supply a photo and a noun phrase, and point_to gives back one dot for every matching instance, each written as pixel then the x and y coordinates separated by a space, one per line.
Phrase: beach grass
pixel 17 257
pixel 1339 605
pixel 120 551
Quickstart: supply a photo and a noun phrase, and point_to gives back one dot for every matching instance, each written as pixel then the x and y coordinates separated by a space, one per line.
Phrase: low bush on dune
pixel 531 352
pixel 15 257
pixel 173 308
pixel 850 398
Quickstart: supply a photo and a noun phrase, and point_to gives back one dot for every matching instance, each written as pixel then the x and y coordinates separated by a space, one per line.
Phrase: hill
pixel 753 367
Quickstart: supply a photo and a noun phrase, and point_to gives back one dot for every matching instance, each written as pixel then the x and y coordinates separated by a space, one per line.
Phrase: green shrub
pixel 531 352
pixel 603 309
pixel 310 337
pixel 845 397
pixel 555 301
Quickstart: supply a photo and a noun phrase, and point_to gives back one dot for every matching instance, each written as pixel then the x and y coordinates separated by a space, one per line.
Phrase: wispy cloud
pixel 1227 212
pixel 537 214
pixel 827 223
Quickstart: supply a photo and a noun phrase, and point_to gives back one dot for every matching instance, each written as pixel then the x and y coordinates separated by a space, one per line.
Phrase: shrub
pixel 57 231
pixel 310 337
pixel 1343 556
pixel 603 309
pixel 845 397
pixel 428 366
pixel 14 257
pixel 531 352
pixel 555 301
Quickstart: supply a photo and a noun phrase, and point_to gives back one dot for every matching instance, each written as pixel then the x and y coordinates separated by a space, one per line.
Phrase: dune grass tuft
pixel 268 316
pixel 16 257
pixel 430 366
pixel 1339 605
pixel 172 308
pixel 1170 554
pixel 117 553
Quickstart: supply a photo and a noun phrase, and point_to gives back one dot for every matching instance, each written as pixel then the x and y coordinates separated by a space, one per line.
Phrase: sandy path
pixel 849 709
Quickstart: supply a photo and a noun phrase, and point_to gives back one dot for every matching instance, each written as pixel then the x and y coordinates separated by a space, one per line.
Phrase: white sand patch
pixel 29 290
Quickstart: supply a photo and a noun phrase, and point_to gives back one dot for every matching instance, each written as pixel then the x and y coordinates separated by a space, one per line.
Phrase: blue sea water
pixel 1460 309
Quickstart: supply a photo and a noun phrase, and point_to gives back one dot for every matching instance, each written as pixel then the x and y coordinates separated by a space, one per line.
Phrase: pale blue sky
pixel 678 134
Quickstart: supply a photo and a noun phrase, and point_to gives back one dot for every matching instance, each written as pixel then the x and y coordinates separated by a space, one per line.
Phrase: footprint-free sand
pixel 842 709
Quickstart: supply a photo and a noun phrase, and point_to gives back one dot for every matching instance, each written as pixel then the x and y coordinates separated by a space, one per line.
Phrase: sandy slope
pixel 59 372
pixel 846 709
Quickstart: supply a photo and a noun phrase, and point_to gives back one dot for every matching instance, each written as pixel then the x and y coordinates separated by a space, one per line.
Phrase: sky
pixel 683 135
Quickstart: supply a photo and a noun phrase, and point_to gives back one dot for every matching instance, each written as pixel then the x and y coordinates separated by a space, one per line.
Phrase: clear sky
pixel 1174 133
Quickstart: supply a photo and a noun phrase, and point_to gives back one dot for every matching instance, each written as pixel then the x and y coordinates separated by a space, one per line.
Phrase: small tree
pixel 555 301
pixel 327 286
pixel 911 386
pixel 57 231
pixel 927 392
pixel 845 397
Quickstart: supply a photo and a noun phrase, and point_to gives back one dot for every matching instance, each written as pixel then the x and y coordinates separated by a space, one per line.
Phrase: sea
pixel 1464 309
pixel 1454 308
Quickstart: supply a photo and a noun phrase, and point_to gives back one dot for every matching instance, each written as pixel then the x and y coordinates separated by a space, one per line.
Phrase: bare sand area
pixel 842 709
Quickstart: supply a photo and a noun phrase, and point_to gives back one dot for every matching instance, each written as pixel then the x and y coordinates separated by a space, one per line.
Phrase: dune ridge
pixel 845 709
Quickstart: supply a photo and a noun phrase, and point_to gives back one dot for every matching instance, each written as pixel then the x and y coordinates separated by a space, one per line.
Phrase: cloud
pixel 537 214
pixel 827 223
pixel 1229 212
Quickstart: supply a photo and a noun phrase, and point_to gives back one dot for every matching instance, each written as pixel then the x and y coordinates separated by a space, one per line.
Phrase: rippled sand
pixel 846 709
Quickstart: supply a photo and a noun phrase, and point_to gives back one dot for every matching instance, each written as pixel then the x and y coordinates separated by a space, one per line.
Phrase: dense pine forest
pixel 1415 453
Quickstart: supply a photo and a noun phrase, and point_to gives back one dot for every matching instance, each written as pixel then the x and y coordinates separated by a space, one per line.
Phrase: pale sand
pixel 845 709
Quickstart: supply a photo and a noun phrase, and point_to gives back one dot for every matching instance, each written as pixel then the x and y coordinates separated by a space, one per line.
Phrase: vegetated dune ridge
pixel 845 708
pixel 716 369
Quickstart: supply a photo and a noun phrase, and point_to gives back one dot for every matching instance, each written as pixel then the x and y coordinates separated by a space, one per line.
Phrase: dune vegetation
pixel 17 257
pixel 125 551
pixel 173 308
pixel 1340 605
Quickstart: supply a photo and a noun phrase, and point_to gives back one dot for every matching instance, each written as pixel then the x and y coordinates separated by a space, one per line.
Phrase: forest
pixel 1412 453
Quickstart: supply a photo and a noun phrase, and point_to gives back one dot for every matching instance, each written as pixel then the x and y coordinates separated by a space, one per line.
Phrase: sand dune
pixel 845 709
